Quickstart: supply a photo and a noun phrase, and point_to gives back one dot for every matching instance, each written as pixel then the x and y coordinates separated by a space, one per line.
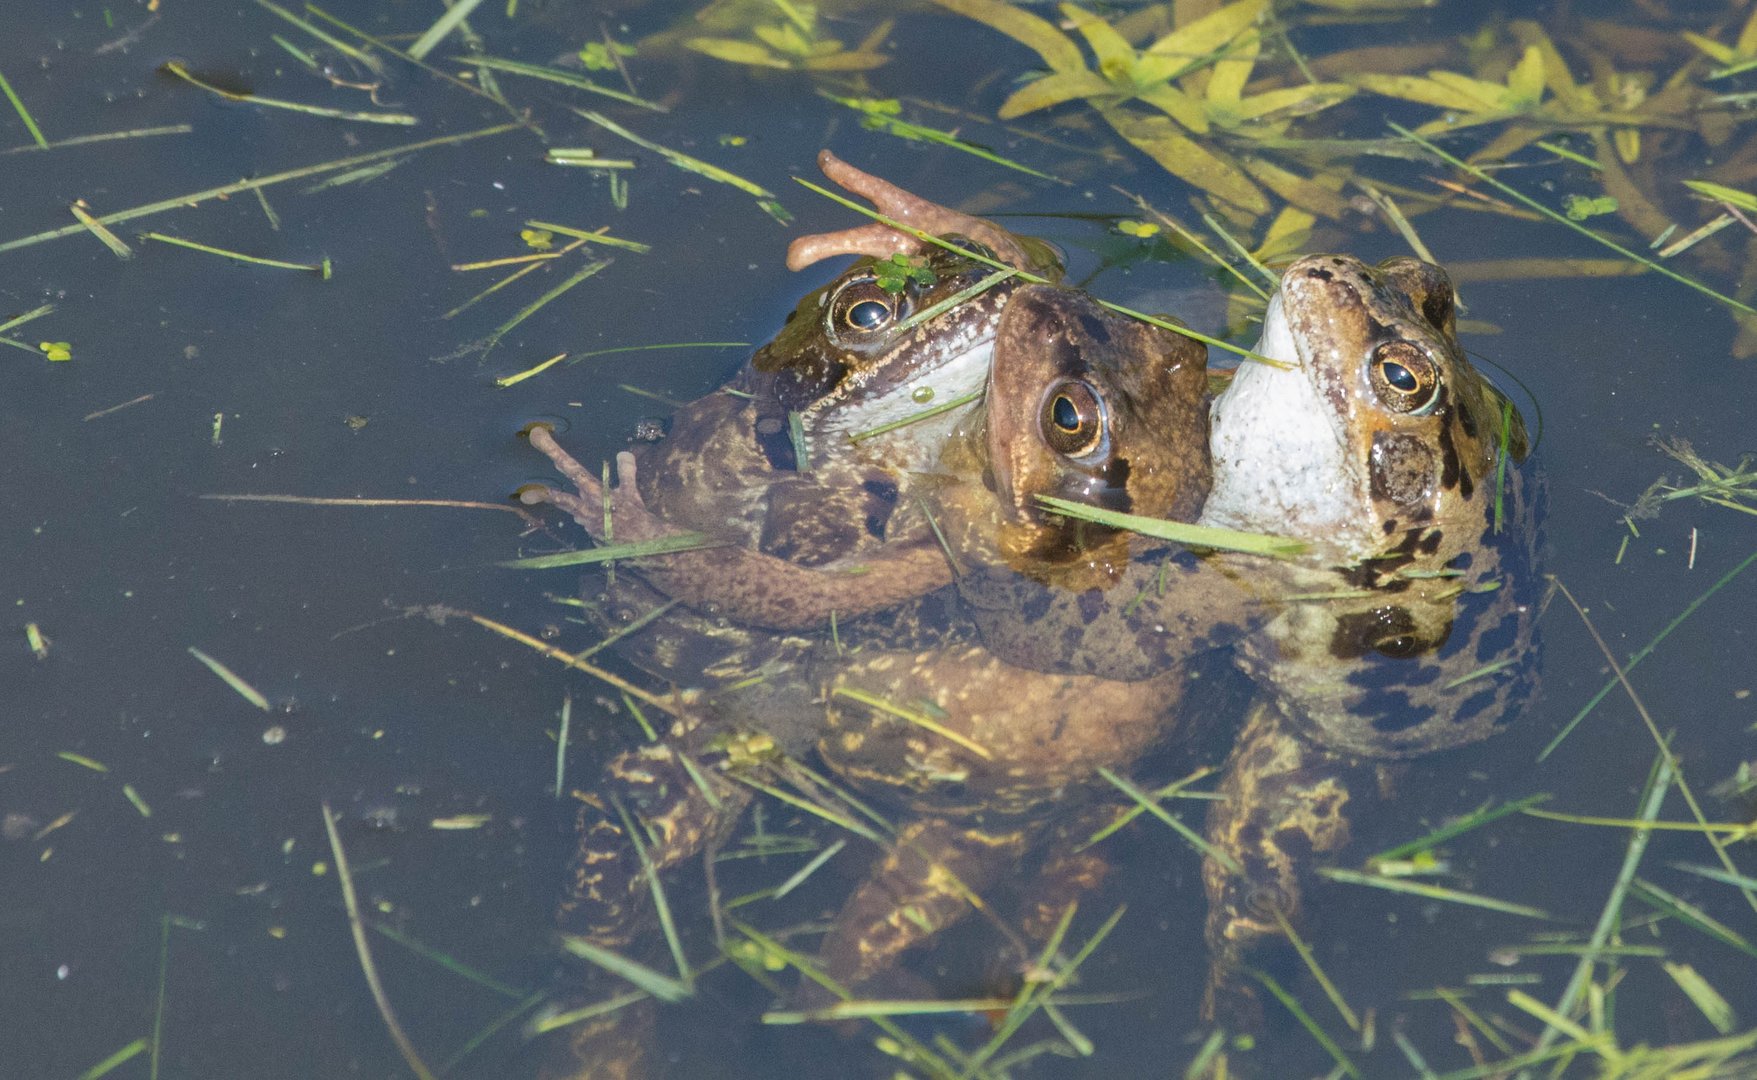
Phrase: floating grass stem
pixel 1659 740
pixel 649 982
pixel 1645 650
pixel 363 949
pixel 634 549
pixel 934 311
pixel 1147 803
pixel 323 268
pixel 1432 892
pixel 110 1064
pixel 227 190
pixel 442 27
pixel 117 246
pixel 1318 1034
pixel 915 418
pixel 1310 959
pixel 920 720
pixel 372 63
pixel 244 690
pixel 23 113
pixel 556 75
pixel 595 236
pixel 402 119
pixel 564 657
pixel 765 198
pixel 1459 827
pixel 1203 536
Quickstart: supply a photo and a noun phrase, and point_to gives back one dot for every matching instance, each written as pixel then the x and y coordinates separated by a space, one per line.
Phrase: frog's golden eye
pixel 862 307
pixel 1405 377
pixel 1073 419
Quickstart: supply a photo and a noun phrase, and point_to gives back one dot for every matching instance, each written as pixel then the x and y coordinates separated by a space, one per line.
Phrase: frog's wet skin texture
pixel 836 531
pixel 1409 626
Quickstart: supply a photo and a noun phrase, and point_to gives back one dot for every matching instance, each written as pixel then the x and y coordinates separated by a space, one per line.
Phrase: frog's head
pixel 1410 628
pixel 901 331
pixel 1374 426
pixel 1095 407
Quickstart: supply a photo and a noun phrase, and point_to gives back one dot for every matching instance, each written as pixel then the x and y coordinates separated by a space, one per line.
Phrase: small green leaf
pixel 1580 207
pixel 736 52
pixel 1742 200
pixel 56 351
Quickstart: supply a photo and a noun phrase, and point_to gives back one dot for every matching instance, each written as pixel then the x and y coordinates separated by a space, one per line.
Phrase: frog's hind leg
pixel 679 811
pixel 929 880
pixel 607 898
pixel 1283 802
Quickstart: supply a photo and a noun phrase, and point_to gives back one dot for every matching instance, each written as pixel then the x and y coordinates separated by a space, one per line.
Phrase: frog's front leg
pixel 924 884
pixel 1283 802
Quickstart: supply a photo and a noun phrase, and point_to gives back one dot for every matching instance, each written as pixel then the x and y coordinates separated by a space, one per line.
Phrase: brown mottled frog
pixel 810 516
pixel 1082 404
pixel 1409 626
pixel 1080 401
pixel 1405 628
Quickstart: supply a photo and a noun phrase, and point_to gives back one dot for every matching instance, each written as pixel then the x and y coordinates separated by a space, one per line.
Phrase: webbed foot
pixel 586 504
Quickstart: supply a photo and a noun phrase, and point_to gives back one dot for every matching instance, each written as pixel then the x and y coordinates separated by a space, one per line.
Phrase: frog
pixel 773 472
pixel 1082 401
pixel 1424 526
pixel 1405 627
pixel 1081 404
pixel 805 512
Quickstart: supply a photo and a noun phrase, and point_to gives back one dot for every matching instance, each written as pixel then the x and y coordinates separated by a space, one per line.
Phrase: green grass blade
pixel 245 690
pixel 664 545
pixel 562 78
pixel 1431 892
pixel 444 25
pixel 23 113
pixel 227 190
pixel 655 983
pixel 1205 536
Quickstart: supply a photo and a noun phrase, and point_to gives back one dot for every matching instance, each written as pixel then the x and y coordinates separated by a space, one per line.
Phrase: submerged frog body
pixel 1416 631
pixel 990 757
pixel 1407 625
pixel 1084 402
pixel 812 523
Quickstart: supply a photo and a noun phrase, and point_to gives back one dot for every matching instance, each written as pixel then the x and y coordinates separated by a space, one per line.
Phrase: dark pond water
pixel 207 922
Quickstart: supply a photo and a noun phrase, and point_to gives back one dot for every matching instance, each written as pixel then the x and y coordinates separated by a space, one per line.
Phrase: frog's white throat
pixel 1282 458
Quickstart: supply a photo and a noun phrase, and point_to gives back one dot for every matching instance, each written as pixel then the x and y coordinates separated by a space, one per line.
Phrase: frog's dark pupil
pixel 1399 377
pixel 1065 415
pixel 868 315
